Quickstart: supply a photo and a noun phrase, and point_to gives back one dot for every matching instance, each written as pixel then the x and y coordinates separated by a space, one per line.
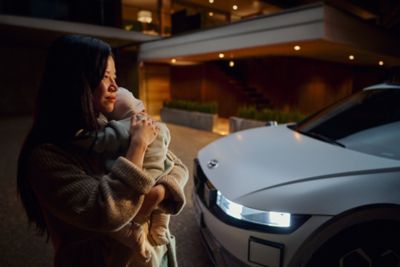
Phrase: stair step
pixel 251 95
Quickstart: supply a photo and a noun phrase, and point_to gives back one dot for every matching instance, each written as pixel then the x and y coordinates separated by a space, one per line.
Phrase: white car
pixel 324 192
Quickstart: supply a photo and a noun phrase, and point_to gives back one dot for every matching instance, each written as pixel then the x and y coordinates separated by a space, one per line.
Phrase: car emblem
pixel 212 164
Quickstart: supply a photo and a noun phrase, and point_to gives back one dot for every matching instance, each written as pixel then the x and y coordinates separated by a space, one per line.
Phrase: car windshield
pixel 368 121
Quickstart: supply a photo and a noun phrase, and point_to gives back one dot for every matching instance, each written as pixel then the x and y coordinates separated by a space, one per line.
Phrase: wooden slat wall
pixel 154 86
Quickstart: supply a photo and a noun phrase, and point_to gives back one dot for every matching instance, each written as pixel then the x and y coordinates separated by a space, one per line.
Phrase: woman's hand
pixel 143 132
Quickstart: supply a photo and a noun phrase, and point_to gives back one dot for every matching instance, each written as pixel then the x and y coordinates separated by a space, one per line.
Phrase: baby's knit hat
pixel 126 105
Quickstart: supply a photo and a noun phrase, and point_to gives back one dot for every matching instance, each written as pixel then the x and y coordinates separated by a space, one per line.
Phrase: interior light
pixel 173 60
pixel 144 16
pixel 231 63
pixel 221 55
pixel 211 14
pixel 381 63
pixel 297 47
pixel 351 57
pixel 211 1
pixel 269 218
pixel 129 27
pixel 234 7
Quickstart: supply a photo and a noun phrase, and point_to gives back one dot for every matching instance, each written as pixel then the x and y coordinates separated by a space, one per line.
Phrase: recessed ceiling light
pixel 221 55
pixel 351 57
pixel 235 7
pixel 297 47
pixel 381 63
pixel 231 63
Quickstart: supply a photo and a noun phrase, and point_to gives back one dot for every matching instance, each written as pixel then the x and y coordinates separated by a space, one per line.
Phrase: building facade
pixel 299 56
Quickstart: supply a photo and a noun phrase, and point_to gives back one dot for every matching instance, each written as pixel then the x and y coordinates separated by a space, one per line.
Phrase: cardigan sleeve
pixel 112 140
pixel 93 202
pixel 175 181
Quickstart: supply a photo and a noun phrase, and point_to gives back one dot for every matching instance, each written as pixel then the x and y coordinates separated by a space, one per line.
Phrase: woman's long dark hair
pixel 74 69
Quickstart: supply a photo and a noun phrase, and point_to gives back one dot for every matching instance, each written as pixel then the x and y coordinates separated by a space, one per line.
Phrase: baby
pixel 113 141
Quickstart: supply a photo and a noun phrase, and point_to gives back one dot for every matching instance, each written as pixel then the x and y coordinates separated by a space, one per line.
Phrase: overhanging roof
pixel 322 31
pixel 42 32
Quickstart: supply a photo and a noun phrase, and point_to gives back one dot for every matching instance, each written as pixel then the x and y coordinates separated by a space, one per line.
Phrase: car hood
pixel 269 157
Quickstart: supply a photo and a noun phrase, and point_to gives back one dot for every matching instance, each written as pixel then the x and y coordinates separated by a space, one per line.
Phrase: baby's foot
pixel 140 236
pixel 159 228
pixel 158 235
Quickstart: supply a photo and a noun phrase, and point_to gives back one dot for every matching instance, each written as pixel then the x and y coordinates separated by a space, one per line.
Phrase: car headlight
pixel 268 218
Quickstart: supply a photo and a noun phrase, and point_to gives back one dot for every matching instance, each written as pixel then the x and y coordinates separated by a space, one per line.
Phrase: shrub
pixel 247 112
pixel 250 112
pixel 210 107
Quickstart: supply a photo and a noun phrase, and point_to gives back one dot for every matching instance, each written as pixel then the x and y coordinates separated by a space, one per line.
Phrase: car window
pixel 380 141
pixel 365 110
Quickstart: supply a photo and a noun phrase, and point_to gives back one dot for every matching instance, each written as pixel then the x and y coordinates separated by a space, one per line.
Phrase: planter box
pixel 238 124
pixel 193 119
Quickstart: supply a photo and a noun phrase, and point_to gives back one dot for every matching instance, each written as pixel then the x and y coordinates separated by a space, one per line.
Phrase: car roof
pixel 382 86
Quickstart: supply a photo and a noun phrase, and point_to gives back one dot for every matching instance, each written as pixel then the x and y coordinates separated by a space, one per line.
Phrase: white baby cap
pixel 126 104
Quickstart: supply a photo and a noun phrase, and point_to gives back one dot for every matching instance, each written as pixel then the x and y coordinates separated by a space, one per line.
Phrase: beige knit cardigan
pixel 85 207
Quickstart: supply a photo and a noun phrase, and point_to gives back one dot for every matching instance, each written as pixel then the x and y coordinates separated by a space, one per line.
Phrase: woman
pixel 67 193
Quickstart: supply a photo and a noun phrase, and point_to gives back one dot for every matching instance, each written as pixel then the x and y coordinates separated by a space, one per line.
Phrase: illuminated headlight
pixel 269 218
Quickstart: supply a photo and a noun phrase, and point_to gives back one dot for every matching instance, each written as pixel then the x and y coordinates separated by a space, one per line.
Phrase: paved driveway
pixel 19 246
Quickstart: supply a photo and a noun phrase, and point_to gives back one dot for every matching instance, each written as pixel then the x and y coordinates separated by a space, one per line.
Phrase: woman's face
pixel 105 94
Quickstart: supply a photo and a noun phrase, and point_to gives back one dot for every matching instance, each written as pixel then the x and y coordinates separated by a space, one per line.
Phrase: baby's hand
pixel 142 115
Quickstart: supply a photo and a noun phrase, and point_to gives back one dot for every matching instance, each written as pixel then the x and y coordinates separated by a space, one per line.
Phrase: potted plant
pixel 249 117
pixel 190 113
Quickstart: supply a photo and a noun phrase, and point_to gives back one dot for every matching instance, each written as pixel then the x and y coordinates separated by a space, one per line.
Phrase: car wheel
pixel 369 245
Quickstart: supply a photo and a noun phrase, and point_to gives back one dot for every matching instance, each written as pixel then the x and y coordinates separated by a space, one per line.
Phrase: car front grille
pixel 204 188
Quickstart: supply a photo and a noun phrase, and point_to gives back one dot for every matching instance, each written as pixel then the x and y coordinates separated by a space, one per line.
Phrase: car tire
pixel 374 244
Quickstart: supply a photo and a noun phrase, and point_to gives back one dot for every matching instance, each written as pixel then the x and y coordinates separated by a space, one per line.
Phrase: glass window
pixel 367 122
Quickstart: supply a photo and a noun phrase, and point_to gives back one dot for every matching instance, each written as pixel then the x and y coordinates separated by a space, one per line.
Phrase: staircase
pixel 236 79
